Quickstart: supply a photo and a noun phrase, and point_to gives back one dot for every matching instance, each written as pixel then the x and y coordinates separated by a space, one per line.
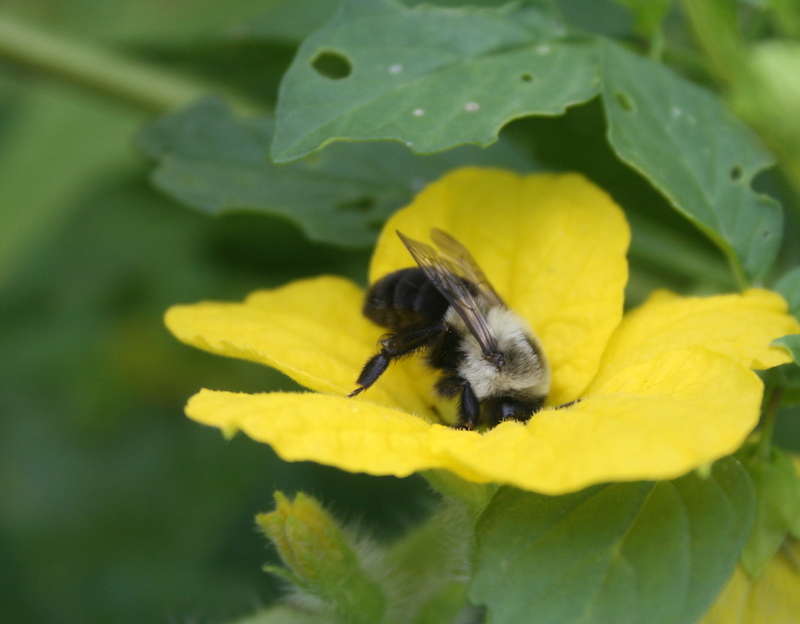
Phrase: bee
pixel 446 308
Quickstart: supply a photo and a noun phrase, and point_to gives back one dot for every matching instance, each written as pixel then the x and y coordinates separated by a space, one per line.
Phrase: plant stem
pixel 475 495
pixel 657 45
pixel 133 81
pixel 775 392
pixel 716 29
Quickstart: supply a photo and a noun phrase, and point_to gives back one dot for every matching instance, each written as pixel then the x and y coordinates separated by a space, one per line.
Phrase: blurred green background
pixel 113 506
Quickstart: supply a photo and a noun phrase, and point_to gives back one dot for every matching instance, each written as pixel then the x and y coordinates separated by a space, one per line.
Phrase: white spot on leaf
pixel 419 112
pixel 543 49
pixel 396 68
pixel 471 107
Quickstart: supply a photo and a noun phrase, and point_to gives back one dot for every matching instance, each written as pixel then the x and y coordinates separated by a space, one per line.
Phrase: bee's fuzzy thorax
pixel 525 371
pixel 446 308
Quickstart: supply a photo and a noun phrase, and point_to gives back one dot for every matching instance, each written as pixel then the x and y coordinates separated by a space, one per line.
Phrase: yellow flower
pixel 773 598
pixel 663 391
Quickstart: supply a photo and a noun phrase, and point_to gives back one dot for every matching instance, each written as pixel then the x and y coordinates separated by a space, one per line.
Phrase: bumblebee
pixel 446 309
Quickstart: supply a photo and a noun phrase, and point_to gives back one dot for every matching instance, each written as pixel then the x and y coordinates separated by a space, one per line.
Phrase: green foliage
pixel 777 487
pixel 792 344
pixel 789 287
pixel 430 77
pixel 695 152
pixel 321 560
pixel 427 570
pixel 753 52
pixel 625 552
pixel 211 160
pixel 421 578
pixel 437 84
pixel 92 387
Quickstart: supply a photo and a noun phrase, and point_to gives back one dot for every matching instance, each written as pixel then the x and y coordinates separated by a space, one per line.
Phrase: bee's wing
pixel 445 276
pixel 467 267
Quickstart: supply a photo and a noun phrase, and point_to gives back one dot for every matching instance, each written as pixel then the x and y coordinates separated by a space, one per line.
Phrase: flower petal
pixel 312 330
pixel 553 246
pixel 739 326
pixel 358 436
pixel 622 437
pixel 638 430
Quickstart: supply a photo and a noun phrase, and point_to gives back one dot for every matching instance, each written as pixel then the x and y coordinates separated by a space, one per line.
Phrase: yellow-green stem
pixel 133 81
pixel 476 495
pixel 773 401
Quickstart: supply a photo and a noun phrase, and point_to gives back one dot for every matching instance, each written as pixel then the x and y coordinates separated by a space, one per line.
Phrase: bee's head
pixel 504 408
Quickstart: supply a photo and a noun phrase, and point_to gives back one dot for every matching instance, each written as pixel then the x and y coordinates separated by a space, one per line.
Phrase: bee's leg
pixel 394 346
pixel 469 408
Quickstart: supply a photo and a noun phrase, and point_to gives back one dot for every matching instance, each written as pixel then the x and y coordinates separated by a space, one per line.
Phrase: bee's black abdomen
pixel 403 299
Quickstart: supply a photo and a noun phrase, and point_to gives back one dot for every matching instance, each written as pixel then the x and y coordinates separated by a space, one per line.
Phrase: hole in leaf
pixel 332 65
pixel 526 77
pixel 359 204
pixel 736 173
pixel 625 101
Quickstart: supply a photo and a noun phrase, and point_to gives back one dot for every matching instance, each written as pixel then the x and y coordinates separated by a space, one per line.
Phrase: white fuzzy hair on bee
pixel 446 308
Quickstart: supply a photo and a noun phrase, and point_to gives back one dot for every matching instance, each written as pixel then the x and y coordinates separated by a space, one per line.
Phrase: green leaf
pixel 788 377
pixel 210 160
pixel 777 506
pixel 621 553
pixel 693 150
pixel 789 287
pixel 792 344
pixel 430 77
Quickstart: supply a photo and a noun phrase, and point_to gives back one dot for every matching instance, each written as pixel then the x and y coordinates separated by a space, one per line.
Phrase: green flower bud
pixel 322 562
